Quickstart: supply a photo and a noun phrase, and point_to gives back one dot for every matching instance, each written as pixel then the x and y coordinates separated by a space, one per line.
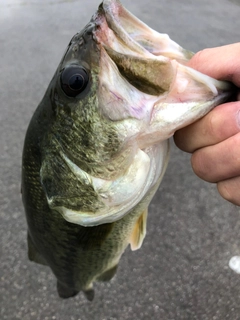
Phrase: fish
pixel 97 146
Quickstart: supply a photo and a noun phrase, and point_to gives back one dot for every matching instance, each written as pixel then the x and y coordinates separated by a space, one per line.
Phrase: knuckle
pixel 211 128
pixel 199 166
pixel 204 166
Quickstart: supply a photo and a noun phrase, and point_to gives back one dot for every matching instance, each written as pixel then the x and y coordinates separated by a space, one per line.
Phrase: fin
pixel 108 275
pixel 139 231
pixel 33 254
pixel 89 294
pixel 65 292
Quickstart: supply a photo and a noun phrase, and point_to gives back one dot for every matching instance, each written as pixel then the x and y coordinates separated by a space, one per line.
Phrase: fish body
pixel 96 148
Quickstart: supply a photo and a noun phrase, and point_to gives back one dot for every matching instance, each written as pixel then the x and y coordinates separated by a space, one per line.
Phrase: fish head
pixel 120 91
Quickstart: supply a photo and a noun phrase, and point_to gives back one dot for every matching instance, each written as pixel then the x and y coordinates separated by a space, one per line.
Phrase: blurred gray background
pixel 181 272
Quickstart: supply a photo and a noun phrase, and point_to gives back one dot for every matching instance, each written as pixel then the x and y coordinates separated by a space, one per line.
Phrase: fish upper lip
pixel 108 16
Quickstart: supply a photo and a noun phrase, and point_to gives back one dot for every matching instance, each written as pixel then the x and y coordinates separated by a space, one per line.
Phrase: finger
pixel 218 162
pixel 221 63
pixel 218 125
pixel 230 190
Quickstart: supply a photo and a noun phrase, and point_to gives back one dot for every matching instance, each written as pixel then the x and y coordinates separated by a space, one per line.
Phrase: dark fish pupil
pixel 74 80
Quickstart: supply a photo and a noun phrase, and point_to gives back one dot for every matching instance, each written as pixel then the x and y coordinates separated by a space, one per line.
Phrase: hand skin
pixel 214 140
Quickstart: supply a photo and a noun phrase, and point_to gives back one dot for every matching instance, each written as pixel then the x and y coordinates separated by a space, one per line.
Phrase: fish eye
pixel 74 80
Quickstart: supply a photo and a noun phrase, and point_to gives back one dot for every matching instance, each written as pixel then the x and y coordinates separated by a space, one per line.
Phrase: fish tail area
pixel 108 275
pixel 65 292
pixel 33 254
pixel 139 231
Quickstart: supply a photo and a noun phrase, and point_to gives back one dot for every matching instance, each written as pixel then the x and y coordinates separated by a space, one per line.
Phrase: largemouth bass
pixel 97 146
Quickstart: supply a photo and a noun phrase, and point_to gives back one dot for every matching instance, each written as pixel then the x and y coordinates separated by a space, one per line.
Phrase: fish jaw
pixel 151 118
pixel 155 87
pixel 192 95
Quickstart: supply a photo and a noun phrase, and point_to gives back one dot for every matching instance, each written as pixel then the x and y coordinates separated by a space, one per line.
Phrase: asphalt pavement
pixel 181 271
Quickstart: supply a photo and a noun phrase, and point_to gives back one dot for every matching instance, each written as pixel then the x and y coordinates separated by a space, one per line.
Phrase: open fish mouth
pixel 173 94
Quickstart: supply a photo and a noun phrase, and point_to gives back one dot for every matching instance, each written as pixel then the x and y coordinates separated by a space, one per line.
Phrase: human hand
pixel 214 140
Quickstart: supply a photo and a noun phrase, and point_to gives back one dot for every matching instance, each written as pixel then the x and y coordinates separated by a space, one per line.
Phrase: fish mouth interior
pixel 151 62
pixel 142 55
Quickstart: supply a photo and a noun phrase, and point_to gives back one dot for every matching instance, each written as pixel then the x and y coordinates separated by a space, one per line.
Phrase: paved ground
pixel 182 270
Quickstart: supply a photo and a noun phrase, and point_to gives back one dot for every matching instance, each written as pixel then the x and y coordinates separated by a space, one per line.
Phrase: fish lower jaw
pixel 117 198
pixel 168 118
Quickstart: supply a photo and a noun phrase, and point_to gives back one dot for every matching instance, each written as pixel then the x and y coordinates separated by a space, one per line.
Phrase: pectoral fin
pixel 139 231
